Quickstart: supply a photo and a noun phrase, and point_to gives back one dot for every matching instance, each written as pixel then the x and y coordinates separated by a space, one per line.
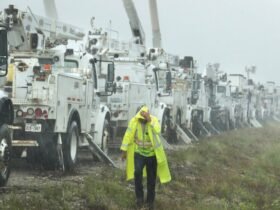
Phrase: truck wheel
pixel 166 126
pixel 195 125
pixel 5 154
pixel 227 122
pixel 178 118
pixel 106 137
pixel 70 146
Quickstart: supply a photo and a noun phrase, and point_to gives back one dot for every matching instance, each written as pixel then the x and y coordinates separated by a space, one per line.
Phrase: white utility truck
pixel 55 90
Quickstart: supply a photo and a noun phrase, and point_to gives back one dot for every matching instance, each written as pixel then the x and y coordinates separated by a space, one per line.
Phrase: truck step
pixel 14 127
pixel 25 143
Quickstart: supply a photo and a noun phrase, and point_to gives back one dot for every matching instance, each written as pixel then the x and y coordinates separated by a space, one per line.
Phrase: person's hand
pixel 146 115
pixel 123 156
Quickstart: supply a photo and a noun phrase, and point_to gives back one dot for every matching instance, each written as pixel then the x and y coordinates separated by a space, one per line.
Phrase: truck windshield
pixel 162 79
pixel 221 89
pixel 3 53
pixel 68 64
pixel 71 66
pixel 3 41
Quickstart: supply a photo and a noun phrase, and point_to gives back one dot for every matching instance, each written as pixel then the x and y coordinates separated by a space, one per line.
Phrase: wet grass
pixel 236 170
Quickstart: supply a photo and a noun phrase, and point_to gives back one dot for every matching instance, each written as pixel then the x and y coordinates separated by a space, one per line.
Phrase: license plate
pixel 30 127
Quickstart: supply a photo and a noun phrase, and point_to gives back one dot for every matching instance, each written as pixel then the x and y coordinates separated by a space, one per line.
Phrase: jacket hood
pixel 143 109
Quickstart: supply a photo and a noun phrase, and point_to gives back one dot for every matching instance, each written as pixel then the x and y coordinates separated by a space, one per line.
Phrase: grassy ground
pixel 236 170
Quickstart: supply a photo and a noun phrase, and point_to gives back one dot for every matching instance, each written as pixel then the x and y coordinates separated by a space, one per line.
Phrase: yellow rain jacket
pixel 128 144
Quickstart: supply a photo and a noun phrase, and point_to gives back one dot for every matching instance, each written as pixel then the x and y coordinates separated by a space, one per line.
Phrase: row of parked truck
pixel 64 89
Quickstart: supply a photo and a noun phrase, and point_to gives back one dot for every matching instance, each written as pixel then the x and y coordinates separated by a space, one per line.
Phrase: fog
pixel 235 33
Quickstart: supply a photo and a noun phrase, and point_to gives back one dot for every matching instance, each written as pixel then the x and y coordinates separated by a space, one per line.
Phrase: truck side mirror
pixel 110 86
pixel 168 81
pixel 3 53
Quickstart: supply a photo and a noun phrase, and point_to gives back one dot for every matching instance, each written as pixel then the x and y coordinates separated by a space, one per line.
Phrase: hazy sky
pixel 234 33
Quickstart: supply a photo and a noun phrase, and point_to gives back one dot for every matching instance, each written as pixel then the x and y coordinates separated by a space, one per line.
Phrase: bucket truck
pixel 135 79
pixel 55 90
pixel 238 94
pixel 173 92
pixel 269 100
pixel 218 95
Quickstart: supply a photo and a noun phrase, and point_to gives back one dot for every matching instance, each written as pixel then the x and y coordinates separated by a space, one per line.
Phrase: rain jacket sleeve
pixel 128 136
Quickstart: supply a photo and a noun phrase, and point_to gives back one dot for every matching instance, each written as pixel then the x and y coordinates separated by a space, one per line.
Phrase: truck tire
pixel 178 118
pixel 195 125
pixel 5 154
pixel 70 146
pixel 166 126
pixel 6 111
pixel 106 136
pixel 227 122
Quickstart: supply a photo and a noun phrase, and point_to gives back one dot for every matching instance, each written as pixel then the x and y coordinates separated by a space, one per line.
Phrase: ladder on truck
pixel 211 128
pixel 255 123
pixel 98 152
pixel 183 136
pixel 204 129
pixel 165 144
pixel 275 118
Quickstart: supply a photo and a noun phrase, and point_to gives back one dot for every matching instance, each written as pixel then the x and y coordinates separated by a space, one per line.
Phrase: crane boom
pixel 155 24
pixel 27 31
pixel 134 21
pixel 50 9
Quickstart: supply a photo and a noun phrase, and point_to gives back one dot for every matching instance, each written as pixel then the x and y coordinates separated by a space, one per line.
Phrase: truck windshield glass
pixel 70 65
pixel 3 45
pixel 162 80
pixel 3 52
pixel 46 61
pixel 221 89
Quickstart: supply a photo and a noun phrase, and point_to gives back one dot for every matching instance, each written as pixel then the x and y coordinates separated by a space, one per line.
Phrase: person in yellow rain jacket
pixel 142 148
